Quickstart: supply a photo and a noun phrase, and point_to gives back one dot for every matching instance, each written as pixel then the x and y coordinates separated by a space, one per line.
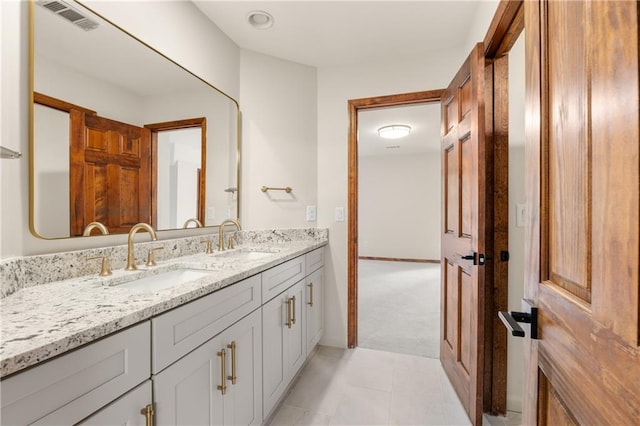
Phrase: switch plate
pixel 521 215
pixel 339 214
pixel 211 212
pixel 311 213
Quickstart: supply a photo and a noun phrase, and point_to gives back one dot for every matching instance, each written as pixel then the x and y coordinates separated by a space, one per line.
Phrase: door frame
pixel 355 105
pixel 503 31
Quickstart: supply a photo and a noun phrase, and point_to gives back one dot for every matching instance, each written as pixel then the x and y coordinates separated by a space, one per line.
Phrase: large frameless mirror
pixel 121 134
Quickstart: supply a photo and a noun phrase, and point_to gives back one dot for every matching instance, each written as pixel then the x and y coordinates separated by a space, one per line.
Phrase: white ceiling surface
pixel 424 137
pixel 330 33
pixel 334 33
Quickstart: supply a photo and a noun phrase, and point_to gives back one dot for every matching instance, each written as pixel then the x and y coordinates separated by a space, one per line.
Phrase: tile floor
pixel 369 387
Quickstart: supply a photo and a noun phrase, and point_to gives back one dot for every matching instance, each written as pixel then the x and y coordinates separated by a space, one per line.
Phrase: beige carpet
pixel 399 307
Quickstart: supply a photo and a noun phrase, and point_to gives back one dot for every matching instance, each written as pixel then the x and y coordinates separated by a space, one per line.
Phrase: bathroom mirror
pixel 120 134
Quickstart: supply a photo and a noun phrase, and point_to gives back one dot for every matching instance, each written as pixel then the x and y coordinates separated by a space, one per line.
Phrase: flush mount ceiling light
pixel 394 131
pixel 260 19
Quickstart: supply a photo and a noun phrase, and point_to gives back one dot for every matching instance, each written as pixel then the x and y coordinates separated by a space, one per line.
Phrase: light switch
pixel 311 213
pixel 339 214
pixel 521 215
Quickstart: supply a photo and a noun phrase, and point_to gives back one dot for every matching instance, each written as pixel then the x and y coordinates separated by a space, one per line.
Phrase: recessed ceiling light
pixel 260 19
pixel 394 131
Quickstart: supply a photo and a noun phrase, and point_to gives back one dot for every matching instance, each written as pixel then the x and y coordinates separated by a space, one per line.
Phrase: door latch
pixel 511 320
pixel 477 258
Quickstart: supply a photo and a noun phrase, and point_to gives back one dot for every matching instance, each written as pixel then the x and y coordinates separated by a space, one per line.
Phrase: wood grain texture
pixel 583 140
pixel 354 106
pixel 59 104
pixel 504 29
pixel 464 303
pixel 398 259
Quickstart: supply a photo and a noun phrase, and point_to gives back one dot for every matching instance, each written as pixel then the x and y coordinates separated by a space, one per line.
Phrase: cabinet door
pixel 296 342
pixel 274 332
pixel 315 308
pixel 127 410
pixel 186 393
pixel 243 400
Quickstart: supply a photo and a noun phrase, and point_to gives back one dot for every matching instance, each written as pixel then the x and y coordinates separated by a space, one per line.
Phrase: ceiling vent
pixel 69 13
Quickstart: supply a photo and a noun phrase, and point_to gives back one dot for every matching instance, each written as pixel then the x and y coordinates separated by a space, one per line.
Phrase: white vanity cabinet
pixel 130 409
pixel 74 386
pixel 199 389
pixel 314 307
pixel 284 349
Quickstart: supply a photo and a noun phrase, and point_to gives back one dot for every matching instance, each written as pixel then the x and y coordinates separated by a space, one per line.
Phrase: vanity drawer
pixel 314 260
pixel 178 332
pixel 67 389
pixel 281 277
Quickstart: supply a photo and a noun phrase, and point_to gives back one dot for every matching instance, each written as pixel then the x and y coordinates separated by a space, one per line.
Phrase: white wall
pixel 336 85
pixel 278 102
pixel 388 201
pixel 177 29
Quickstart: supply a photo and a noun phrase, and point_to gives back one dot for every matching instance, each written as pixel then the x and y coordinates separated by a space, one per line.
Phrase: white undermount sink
pixel 167 279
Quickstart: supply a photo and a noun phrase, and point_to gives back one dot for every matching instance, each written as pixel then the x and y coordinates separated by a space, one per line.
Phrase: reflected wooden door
pixel 110 177
pixel 463 238
pixel 583 197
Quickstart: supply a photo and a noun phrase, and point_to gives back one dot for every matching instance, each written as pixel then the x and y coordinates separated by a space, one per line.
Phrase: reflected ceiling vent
pixel 69 13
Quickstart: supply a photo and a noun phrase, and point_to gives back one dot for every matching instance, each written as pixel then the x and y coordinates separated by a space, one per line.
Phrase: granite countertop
pixel 38 323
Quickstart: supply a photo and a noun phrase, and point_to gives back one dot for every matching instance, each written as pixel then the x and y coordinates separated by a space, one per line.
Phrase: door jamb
pixel 356 105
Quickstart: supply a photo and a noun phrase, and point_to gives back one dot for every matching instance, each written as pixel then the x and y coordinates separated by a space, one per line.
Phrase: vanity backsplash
pixel 22 272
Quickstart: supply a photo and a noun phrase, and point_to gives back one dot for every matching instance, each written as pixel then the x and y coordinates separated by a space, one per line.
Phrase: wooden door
pixel 463 237
pixel 110 177
pixel 583 180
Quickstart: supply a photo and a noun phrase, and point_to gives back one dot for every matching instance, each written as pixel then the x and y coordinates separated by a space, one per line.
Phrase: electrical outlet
pixel 311 213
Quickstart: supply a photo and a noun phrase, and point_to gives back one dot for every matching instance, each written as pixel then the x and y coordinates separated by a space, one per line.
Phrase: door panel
pixel 463 292
pixel 583 192
pixel 110 173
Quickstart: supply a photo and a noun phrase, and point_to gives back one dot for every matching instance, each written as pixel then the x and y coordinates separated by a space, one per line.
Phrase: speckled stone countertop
pixel 43 321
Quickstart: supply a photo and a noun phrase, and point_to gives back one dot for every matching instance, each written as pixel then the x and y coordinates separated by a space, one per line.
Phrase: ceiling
pixel 335 33
pixel 330 33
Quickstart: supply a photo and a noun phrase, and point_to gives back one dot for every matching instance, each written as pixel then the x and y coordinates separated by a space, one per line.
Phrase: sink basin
pixel 167 279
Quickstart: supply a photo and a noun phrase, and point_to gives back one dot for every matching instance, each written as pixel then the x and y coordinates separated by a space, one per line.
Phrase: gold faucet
pixel 194 220
pixel 221 233
pixel 131 263
pixel 91 226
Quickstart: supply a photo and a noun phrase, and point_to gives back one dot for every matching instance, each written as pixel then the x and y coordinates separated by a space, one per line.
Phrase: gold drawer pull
pixel 293 309
pixel 289 322
pixel 233 376
pixel 310 302
pixel 147 412
pixel 223 371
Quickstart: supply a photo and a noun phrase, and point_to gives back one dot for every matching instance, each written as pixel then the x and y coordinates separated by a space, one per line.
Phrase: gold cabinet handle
pixel 310 302
pixel 223 371
pixel 289 323
pixel 233 377
pixel 293 316
pixel 147 412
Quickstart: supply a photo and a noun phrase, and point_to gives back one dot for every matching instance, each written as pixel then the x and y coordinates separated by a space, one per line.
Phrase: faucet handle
pixel 209 243
pixel 105 270
pixel 151 259
pixel 232 242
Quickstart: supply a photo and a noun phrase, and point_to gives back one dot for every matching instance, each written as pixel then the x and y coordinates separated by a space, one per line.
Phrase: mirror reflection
pixel 121 134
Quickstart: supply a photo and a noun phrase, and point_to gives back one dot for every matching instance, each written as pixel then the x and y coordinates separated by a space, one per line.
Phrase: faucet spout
pixel 131 263
pixel 91 226
pixel 192 220
pixel 221 232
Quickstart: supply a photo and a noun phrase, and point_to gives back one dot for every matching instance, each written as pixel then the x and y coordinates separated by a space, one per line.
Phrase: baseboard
pixel 394 259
